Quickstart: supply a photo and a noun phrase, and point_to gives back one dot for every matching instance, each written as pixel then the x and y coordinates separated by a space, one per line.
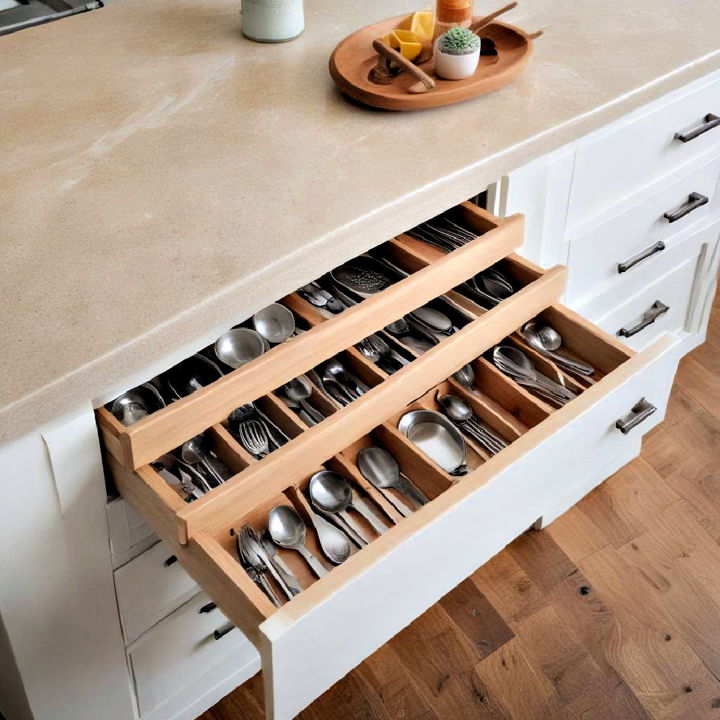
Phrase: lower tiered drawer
pixel 554 452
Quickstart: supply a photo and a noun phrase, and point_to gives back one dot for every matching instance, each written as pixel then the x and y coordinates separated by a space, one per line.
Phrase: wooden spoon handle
pixel 382 49
pixel 484 21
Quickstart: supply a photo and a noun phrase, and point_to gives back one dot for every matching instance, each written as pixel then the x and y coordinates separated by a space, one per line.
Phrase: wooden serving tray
pixel 353 59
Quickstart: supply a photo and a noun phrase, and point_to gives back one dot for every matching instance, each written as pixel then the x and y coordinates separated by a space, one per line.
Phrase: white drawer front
pixel 595 256
pixel 149 588
pixel 674 290
pixel 373 605
pixel 129 534
pixel 179 661
pixel 627 156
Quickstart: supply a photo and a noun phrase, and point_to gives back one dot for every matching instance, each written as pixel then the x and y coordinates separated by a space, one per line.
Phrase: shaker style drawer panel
pixel 673 287
pixel 432 273
pixel 434 453
pixel 624 159
pixel 629 250
pixel 179 660
pixel 149 588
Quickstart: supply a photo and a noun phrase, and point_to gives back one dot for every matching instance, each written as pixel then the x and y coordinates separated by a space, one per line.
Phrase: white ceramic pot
pixel 272 20
pixel 456 67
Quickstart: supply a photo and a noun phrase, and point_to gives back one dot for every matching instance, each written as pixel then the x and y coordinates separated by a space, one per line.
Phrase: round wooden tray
pixel 354 57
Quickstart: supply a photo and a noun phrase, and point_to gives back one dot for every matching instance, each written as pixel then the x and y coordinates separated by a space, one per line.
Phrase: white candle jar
pixel 272 20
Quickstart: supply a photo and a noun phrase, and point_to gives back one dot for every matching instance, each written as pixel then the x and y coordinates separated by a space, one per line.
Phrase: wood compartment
pixel 165 429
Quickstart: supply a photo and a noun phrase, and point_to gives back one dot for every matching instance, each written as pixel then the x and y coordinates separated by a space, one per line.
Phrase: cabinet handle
pixel 170 561
pixel 694 201
pixel 208 608
pixel 641 412
pixel 710 121
pixel 644 255
pixel 223 630
pixel 656 310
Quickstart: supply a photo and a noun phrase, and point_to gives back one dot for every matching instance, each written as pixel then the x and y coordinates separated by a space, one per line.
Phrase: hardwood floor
pixel 611 613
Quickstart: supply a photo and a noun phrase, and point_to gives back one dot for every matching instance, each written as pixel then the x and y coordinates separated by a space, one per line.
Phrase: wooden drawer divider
pixel 170 427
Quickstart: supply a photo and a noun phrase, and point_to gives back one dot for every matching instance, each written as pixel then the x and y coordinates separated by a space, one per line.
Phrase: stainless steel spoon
pixel 437 321
pixel 465 376
pixel 334 543
pixel 275 323
pixel 239 346
pixel 335 370
pixel 332 492
pixel 299 390
pixel 287 530
pixel 382 471
pixel 437 437
pixel 546 340
pixel 462 414
pixel 271 551
pixel 516 363
pixel 195 452
pixel 135 404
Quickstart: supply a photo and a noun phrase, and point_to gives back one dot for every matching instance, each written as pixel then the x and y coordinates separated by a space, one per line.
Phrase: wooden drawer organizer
pixel 313 640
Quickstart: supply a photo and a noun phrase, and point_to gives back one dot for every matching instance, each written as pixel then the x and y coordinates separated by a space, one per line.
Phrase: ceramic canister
pixel 272 20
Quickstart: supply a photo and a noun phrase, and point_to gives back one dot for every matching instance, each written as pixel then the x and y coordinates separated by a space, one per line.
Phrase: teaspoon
pixel 195 452
pixel 287 530
pixel 382 471
pixel 299 390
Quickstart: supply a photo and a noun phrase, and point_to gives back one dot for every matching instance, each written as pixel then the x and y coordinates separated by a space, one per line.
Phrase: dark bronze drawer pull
pixel 170 561
pixel 656 310
pixel 223 630
pixel 208 608
pixel 641 412
pixel 710 121
pixel 644 255
pixel 694 201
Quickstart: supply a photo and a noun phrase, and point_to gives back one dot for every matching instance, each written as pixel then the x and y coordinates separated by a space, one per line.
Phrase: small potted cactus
pixel 457 53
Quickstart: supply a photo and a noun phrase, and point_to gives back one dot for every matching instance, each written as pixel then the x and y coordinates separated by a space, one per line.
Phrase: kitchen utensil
pixel 256 575
pixel 382 471
pixel 332 492
pixel 363 275
pixel 416 335
pixel 239 346
pixel 259 559
pixel 334 543
pixel 480 23
pixel 546 340
pixel 436 321
pixel 320 297
pixel 135 404
pixel 516 364
pixel 275 323
pixel 465 376
pixel 299 390
pixel 287 575
pixel 335 370
pixel 462 415
pixel 287 529
pixel 385 351
pixel 437 437
pixel 196 451
pixel 191 374
pixel 254 438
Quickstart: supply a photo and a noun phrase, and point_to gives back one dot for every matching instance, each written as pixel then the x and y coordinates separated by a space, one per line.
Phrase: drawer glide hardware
pixel 656 310
pixel 644 255
pixel 641 412
pixel 695 200
pixel 710 121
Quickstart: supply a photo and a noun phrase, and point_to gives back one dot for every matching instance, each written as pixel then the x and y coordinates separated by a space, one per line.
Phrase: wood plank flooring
pixel 611 613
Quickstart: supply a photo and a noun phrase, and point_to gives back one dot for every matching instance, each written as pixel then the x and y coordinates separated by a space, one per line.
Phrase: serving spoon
pixel 287 529
pixel 546 340
pixel 382 471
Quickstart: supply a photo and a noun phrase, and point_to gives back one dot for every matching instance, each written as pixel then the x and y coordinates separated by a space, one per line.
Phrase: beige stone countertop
pixel 162 177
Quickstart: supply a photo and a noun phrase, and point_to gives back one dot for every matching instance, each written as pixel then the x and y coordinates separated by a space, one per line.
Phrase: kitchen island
pixel 164 178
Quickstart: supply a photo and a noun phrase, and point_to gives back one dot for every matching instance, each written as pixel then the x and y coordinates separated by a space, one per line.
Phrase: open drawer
pixel 430 273
pixel 335 622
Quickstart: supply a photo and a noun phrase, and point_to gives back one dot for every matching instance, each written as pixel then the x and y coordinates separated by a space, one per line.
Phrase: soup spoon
pixel 546 340
pixel 287 530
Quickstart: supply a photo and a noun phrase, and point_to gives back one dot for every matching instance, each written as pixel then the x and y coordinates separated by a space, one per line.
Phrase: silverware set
pixel 547 341
pixel 316 295
pixel 255 431
pixel 517 365
pixel 462 415
pixel 338 383
pixel 443 233
pixel 438 438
